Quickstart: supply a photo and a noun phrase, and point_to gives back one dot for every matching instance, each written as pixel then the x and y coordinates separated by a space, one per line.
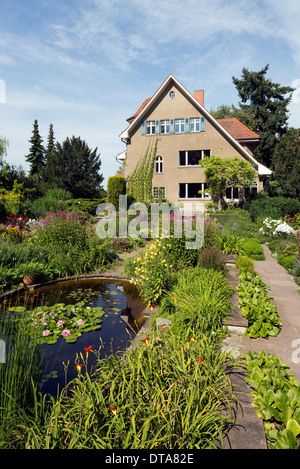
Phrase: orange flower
pixel 88 349
pixel 113 410
pixel 146 340
pixel 200 361
pixel 192 338
pixel 78 367
pixel 175 299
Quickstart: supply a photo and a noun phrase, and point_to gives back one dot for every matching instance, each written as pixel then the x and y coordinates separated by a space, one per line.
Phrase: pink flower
pixel 46 332
pixel 65 332
pixel 73 310
pixel 60 323
pixel 80 322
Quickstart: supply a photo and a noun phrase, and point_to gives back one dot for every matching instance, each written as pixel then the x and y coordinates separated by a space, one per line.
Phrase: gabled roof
pixel 139 110
pixel 237 129
pixel 138 117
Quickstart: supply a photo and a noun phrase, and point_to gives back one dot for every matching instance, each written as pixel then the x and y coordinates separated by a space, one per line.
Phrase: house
pixel 185 133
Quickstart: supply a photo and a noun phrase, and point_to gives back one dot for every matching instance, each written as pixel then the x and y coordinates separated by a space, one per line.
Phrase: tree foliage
pixel 267 103
pixel 222 173
pixel 116 186
pixel 73 166
pixel 36 155
pixel 286 163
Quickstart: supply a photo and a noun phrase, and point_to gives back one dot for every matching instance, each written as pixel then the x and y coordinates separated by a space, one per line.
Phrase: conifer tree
pixel 267 102
pixel 50 141
pixel 36 155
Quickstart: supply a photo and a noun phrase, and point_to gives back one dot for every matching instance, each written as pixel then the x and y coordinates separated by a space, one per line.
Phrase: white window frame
pixel 159 164
pixel 179 126
pixel 202 155
pixel 165 126
pixel 205 196
pixel 156 191
pixel 195 124
pixel 150 127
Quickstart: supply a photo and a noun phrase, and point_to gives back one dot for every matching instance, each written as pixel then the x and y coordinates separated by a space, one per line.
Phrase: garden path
pixel 248 433
pixel 284 291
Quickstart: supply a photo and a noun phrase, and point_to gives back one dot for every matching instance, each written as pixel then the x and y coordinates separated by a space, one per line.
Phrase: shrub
pixel 152 274
pixel 63 230
pixel 274 207
pixel 52 201
pixel 287 261
pixel 253 249
pixel 245 264
pixel 116 186
pixel 211 258
pixel 230 243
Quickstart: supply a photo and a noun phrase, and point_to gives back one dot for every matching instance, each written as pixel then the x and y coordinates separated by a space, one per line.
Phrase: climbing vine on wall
pixel 139 183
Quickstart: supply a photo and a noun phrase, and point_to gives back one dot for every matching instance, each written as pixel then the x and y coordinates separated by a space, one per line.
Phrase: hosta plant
pixel 257 307
pixel 276 398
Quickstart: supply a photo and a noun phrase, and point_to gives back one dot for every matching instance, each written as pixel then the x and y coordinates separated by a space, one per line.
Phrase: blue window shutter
pixel 143 126
pixel 202 124
pixel 157 126
pixel 172 126
pixel 186 124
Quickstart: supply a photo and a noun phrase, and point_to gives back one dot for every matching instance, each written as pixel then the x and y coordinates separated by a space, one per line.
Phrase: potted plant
pixel 31 272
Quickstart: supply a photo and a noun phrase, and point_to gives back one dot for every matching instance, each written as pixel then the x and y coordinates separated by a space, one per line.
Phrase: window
pixel 192 157
pixel 232 193
pixel 172 94
pixel 159 164
pixel 150 127
pixel 179 125
pixel 165 126
pixel 191 190
pixel 159 193
pixel 195 124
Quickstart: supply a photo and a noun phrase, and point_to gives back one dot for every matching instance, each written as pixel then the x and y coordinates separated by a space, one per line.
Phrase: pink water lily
pixel 46 332
pixel 60 323
pixel 65 332
pixel 80 322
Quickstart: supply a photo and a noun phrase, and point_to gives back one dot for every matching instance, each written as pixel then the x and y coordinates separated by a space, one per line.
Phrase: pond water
pixel 122 319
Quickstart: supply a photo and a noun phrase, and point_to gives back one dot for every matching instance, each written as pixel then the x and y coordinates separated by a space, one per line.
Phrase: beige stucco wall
pixel 169 145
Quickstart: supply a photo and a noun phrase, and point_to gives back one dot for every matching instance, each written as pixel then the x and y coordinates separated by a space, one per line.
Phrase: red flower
pixel 113 410
pixel 146 340
pixel 200 361
pixel 88 349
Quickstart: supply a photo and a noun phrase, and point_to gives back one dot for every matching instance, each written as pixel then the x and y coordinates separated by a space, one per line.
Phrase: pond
pixel 121 319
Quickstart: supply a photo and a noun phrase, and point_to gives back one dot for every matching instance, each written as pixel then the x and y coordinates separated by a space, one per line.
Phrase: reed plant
pixel 19 372
pixel 158 396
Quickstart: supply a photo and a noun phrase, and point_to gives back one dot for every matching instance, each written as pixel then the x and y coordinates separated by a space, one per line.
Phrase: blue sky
pixel 86 65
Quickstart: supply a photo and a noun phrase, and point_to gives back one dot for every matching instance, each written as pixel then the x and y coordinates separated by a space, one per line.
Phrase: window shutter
pixel 186 124
pixel 157 126
pixel 172 126
pixel 143 127
pixel 202 124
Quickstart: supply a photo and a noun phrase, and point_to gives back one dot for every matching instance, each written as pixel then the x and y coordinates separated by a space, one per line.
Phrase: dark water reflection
pixel 122 319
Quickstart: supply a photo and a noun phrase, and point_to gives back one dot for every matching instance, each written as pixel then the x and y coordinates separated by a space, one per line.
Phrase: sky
pixel 85 66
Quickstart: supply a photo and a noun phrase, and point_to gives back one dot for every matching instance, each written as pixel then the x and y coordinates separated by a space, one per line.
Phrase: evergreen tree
pixel 73 166
pixel 286 163
pixel 36 156
pixel 50 141
pixel 267 102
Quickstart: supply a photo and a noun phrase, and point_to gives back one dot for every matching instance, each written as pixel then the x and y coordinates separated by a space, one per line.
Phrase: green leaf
pixel 293 426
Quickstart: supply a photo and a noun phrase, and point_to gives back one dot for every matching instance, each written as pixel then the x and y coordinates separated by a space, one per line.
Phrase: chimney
pixel 199 96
